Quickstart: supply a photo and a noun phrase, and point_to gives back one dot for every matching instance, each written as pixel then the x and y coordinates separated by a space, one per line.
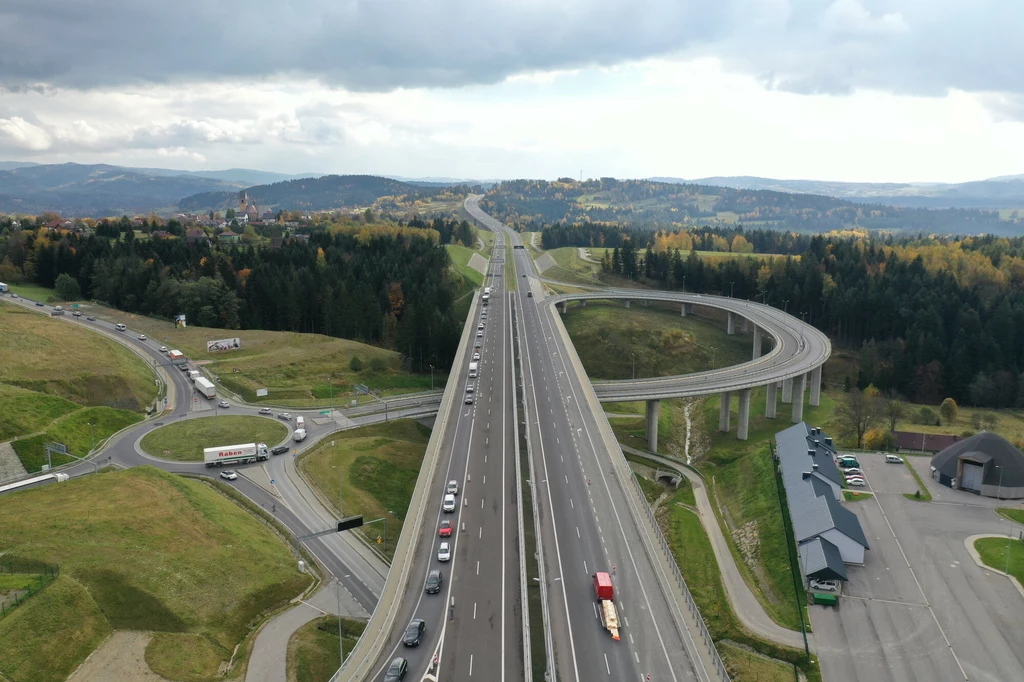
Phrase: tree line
pixel 388 285
pixel 931 319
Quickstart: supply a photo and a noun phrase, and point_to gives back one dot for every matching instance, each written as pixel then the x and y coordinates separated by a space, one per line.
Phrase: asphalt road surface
pixel 586 522
pixel 473 625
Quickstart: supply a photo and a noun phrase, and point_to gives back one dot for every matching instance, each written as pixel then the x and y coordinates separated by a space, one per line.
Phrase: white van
pixel 449 503
pixel 894 459
pixel 299 435
pixel 300 423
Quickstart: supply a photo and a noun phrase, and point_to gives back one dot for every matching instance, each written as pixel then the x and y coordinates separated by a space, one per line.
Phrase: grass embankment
pixel 184 441
pixel 742 477
pixel 857 495
pixel 606 335
pixel 313 648
pixel 1016 515
pixel 50 357
pixel 572 269
pixel 295 368
pixel 376 467
pixel 150 551
pixel 74 431
pixel 34 292
pixel 460 256
pixel 993 554
pixel 692 548
pixel 23 411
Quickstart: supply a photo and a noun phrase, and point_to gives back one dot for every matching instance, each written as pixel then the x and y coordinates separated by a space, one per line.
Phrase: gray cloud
pixel 917 46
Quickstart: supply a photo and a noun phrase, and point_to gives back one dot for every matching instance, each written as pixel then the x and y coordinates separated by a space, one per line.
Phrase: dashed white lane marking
pixel 577 531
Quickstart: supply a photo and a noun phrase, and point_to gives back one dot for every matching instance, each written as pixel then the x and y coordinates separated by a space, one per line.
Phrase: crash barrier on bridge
pixel 361 660
pixel 645 518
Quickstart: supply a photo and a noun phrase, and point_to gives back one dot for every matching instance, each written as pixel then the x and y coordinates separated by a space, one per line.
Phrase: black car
pixel 397 669
pixel 279 450
pixel 39 303
pixel 413 633
pixel 434 581
pixel 91 318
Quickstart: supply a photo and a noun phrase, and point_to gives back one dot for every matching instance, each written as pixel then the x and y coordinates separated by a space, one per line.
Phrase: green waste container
pixel 826 599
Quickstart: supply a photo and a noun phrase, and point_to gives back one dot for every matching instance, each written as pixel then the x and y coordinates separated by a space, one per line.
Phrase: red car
pixel 446 529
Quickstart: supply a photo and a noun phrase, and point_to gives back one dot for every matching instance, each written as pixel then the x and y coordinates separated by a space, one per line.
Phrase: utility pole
pixel 431 377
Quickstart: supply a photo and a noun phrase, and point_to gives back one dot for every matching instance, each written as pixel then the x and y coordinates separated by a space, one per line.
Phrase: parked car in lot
pixel 856 481
pixel 435 579
pixel 894 459
pixel 396 671
pixel 228 474
pixel 414 633
pixel 444 552
pixel 264 410
pixel 279 450
pixel 285 415
pixel 854 471
pixel 825 585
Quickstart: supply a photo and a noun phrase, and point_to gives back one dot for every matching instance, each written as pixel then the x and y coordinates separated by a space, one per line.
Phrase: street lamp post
pixel 785 303
pixel 1009 533
pixel 712 357
pixel 732 288
pixel 431 377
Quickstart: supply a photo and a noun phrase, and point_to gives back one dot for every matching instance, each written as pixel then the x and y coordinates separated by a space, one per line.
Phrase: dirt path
pixel 122 658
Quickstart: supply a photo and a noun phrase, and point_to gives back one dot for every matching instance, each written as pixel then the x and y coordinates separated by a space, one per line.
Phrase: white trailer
pixel 247 453
pixel 472 370
pixel 206 387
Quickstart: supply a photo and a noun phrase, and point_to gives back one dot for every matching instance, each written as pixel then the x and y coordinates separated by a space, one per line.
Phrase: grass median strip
pixel 993 554
pixel 313 648
pixel 184 441
pixel 922 494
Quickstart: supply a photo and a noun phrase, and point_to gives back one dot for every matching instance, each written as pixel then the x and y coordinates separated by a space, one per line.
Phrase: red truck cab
pixel 603 586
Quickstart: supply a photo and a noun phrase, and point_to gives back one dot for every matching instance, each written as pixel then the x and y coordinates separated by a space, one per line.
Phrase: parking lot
pixel 920 608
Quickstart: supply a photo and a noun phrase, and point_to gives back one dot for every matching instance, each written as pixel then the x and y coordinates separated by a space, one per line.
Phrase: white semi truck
pixel 247 453
pixel 206 387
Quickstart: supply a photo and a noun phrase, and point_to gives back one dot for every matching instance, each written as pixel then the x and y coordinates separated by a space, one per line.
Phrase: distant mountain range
pixel 1006 192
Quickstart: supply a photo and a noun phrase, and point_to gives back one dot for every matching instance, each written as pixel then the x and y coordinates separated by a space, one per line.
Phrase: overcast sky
pixel 860 90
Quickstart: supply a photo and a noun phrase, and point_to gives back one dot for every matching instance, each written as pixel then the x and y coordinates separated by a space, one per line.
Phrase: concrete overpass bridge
pixel 793 362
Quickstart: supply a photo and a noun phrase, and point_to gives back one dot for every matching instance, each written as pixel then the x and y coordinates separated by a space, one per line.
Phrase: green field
pixel 293 367
pixel 993 554
pixel 33 292
pixel 313 648
pixel 1016 515
pixel 460 256
pixel 140 549
pixel 49 357
pixel 746 666
pixel 745 487
pixel 572 269
pixel 184 441
pixel 377 467
pixel 605 335
pixel 24 412
pixel 75 432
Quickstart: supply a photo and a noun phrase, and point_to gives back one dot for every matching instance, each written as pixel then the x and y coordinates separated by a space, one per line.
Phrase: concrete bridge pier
pixel 645 302
pixel 583 303
pixel 687 309
pixel 771 393
pixel 743 422
pixel 563 306
pixel 653 411
pixel 816 386
pixel 787 390
pixel 757 342
pixel 800 383
pixel 627 302
pixel 730 327
pixel 723 411
pixel 744 325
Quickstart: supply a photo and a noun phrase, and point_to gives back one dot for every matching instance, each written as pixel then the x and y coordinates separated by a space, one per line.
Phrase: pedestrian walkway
pixel 741 598
pixel 269 660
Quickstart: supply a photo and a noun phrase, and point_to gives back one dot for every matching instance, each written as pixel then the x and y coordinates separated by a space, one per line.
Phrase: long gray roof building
pixel 827 534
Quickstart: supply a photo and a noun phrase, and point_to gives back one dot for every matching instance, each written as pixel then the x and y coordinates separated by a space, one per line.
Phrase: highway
pixel 588 522
pixel 480 637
